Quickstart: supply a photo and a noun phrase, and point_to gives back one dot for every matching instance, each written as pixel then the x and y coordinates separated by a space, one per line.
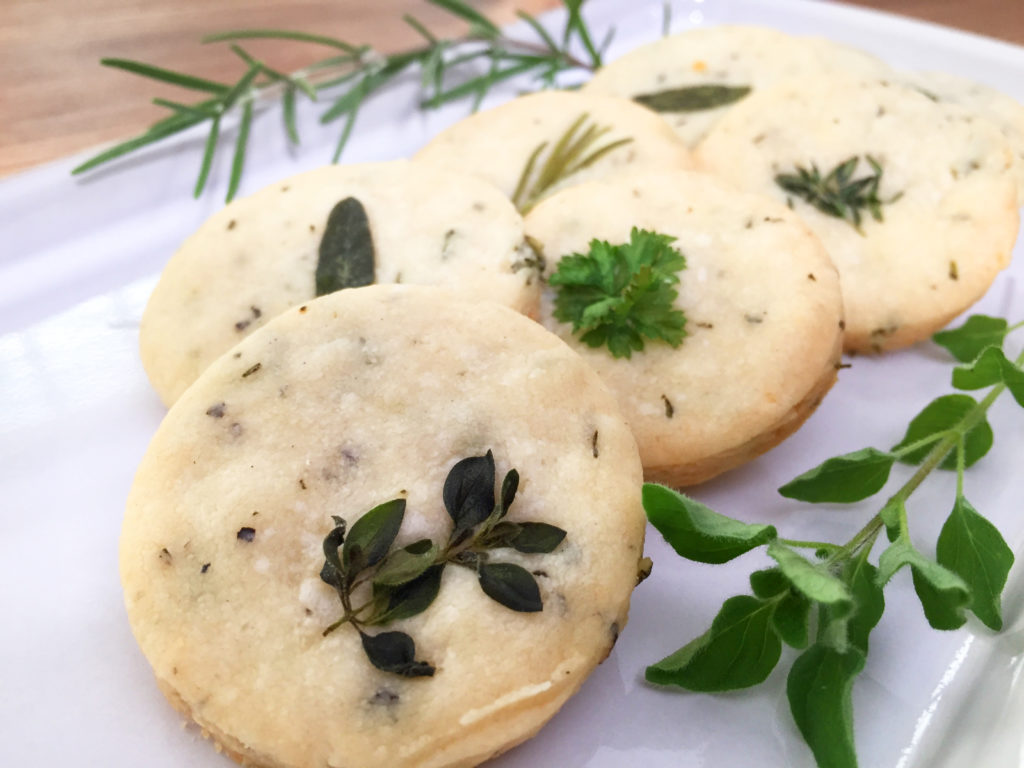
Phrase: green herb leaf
pixel 818 688
pixel 511 585
pixel 509 486
pixel 395 652
pixel 973 548
pixel 842 479
pixel 346 249
pixel 991 367
pixel 740 650
pixel 537 538
pixel 812 579
pixel 869 602
pixel 371 536
pixel 241 142
pixel 838 194
pixel 620 294
pixel 970 339
pixel 768 583
pixel 180 79
pixel 791 619
pixel 469 492
pixel 694 98
pixel 943 594
pixel 404 565
pixel 938 418
pixel 697 532
pixel 333 570
pixel 408 599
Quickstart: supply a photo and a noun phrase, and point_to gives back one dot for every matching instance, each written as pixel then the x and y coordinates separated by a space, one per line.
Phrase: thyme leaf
pixel 838 193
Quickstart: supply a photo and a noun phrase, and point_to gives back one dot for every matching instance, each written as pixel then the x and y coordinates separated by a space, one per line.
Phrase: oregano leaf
pixel 694 98
pixel 509 486
pixel 469 491
pixel 967 342
pixel 768 583
pixel 842 479
pixel 791 619
pixel 738 651
pixel 409 599
pixel 938 417
pixel 819 688
pixel 371 536
pixel 868 602
pixel 511 585
pixel 697 532
pixel 405 564
pixel 813 580
pixel 346 256
pixel 536 538
pixel 991 367
pixel 943 594
pixel 971 547
pixel 395 652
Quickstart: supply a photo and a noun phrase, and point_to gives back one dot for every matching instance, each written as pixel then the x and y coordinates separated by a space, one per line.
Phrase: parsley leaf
pixel 620 294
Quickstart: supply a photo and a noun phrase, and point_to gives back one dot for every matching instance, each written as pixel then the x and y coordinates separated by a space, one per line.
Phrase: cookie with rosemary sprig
pixel 327 229
pixel 914 199
pixel 693 78
pixel 388 528
pixel 714 315
pixel 536 144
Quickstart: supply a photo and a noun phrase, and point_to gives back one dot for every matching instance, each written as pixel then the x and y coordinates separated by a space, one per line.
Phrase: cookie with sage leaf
pixel 914 199
pixel 325 230
pixel 693 78
pixel 397 529
pixel 714 315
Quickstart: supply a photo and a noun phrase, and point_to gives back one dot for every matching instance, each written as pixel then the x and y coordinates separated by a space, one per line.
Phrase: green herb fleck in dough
pixel 694 98
pixel 346 249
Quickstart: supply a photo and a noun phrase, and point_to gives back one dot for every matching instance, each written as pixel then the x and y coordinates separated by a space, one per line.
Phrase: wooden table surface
pixel 56 100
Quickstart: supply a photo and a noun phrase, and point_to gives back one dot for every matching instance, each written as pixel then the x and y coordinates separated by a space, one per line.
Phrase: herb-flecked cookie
pixel 396 222
pixel 537 144
pixel 763 317
pixel 328 559
pixel 693 78
pixel 915 200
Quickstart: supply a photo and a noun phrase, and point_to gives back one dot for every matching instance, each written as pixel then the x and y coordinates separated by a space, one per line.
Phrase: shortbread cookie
pixel 946 195
pixel 710 58
pixel 259 256
pixel 763 318
pixel 351 400
pixel 1002 110
pixel 502 144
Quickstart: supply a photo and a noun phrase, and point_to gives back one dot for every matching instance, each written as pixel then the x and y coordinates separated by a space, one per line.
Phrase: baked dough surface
pixel 359 397
pixel 763 316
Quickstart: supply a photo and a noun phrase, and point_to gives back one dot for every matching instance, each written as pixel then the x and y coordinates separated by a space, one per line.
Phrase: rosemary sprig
pixel 354 73
pixel 969 570
pixel 403 582
pixel 838 193
pixel 570 154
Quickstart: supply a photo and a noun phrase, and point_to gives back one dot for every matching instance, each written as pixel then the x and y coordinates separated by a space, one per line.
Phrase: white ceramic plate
pixel 78 261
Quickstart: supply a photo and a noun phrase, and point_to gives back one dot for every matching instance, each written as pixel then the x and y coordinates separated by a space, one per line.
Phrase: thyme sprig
pixel 839 583
pixel 449 70
pixel 837 193
pixel 573 152
pixel 378 583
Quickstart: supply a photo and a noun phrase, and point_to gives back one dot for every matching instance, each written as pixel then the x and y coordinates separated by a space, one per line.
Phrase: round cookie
pixel 258 256
pixel 351 400
pixel 1002 110
pixel 763 311
pixel 946 192
pixel 727 55
pixel 500 143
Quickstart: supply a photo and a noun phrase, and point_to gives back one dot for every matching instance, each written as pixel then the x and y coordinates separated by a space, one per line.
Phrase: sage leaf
pixel 936 419
pixel 812 580
pixel 346 249
pixel 537 538
pixel 943 594
pixel 371 536
pixel 738 651
pixel 404 565
pixel 469 491
pixel 395 652
pixel 971 547
pixel 791 619
pixel 819 690
pixel 408 599
pixel 511 585
pixel 970 339
pixel 697 532
pixel 842 479
pixel 991 367
pixel 694 98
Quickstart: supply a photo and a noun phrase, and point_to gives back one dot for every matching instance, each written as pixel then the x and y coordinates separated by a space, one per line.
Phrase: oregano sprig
pixel 837 583
pixel 449 70
pixel 618 295
pixel 378 583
